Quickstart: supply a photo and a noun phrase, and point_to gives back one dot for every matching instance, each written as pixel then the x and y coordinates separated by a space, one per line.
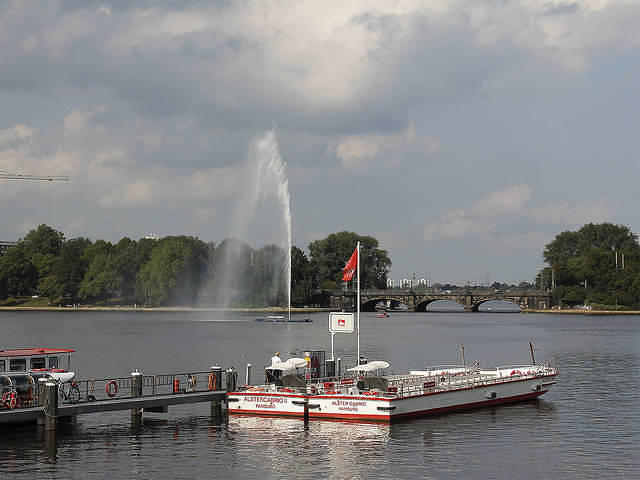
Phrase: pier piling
pixel 136 391
pixel 216 384
pixel 50 405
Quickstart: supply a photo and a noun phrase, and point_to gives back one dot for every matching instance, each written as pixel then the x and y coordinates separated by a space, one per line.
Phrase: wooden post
pixel 216 385
pixel 50 405
pixel 41 387
pixel 136 391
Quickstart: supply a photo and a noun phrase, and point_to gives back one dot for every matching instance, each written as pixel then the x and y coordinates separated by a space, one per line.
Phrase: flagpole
pixel 358 306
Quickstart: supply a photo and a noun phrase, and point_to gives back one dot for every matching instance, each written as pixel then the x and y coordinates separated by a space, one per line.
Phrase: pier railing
pixel 137 385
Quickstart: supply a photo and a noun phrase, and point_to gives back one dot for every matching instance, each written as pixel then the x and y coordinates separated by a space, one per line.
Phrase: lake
pixel 587 426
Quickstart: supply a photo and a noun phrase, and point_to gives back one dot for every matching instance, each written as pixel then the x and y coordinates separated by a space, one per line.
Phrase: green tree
pixel 596 264
pixel 174 271
pixel 17 274
pixel 301 282
pixel 329 256
pixel 43 240
pixel 102 279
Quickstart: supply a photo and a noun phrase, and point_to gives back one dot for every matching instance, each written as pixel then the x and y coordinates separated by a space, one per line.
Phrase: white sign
pixel 341 322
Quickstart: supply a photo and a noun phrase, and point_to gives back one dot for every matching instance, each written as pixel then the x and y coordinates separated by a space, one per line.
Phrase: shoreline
pixel 296 310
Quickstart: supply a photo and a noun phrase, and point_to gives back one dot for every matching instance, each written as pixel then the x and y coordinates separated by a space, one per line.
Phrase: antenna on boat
pixel 464 363
pixel 533 357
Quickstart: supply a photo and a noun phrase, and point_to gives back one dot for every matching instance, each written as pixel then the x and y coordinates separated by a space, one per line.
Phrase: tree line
pixel 597 265
pixel 179 270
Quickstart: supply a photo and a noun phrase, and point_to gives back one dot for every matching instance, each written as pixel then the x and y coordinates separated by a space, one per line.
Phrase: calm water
pixel 588 426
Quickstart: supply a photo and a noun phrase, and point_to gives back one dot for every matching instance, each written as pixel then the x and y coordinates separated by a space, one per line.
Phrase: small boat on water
pixel 283 319
pixel 383 314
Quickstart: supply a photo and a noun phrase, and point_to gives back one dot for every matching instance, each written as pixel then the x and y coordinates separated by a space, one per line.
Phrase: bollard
pixel 41 386
pixel 232 379
pixel 215 378
pixel 248 375
pixel 136 391
pixel 215 384
pixel 50 405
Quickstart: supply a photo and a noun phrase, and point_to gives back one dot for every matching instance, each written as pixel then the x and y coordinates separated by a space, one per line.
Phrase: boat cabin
pixel 35 360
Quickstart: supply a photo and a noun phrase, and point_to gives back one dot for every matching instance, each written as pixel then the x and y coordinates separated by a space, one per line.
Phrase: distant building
pixel 422 282
pixel 406 283
pixel 390 283
pixel 4 246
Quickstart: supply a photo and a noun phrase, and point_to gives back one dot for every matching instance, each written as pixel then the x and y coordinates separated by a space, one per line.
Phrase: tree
pixel 71 267
pixel 174 271
pixel 301 283
pixel 18 276
pixel 43 240
pixel 588 265
pixel 102 280
pixel 329 256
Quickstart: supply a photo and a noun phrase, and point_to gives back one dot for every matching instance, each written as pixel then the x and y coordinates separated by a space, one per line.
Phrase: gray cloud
pixel 150 107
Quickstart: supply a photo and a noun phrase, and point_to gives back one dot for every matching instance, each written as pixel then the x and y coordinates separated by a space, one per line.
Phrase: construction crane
pixel 19 176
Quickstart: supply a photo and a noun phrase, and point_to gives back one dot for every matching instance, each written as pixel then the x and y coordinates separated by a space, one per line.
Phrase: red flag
pixel 350 268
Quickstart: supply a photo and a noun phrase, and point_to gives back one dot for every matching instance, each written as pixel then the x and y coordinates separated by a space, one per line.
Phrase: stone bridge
pixel 417 301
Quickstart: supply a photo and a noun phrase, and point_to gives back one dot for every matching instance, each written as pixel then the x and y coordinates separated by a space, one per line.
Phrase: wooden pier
pixel 47 402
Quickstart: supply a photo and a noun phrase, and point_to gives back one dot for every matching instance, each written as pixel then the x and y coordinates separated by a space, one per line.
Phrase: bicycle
pixel 70 393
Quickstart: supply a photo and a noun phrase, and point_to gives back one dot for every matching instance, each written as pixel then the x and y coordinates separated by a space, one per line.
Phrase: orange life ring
pixel 516 372
pixel 111 388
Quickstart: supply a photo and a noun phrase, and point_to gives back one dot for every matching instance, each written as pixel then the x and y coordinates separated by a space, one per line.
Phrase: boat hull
pixel 385 407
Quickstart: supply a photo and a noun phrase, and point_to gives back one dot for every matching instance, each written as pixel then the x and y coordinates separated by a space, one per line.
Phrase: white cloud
pixel 573 215
pixel 357 151
pixel 512 203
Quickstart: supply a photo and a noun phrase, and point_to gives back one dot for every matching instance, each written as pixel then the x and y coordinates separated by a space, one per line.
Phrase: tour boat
pixel 367 396
pixel 54 362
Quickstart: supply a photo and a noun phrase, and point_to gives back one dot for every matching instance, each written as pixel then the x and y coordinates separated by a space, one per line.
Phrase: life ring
pixel 213 382
pixel 11 400
pixel 516 372
pixel 111 388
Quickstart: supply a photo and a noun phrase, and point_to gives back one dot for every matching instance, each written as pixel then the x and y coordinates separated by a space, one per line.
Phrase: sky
pixel 462 134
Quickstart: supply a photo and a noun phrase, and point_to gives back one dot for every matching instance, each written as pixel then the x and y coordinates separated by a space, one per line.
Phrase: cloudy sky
pixel 463 134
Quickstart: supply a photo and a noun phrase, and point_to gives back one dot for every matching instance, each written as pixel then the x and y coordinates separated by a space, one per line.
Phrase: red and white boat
pixel 385 398
pixel 54 362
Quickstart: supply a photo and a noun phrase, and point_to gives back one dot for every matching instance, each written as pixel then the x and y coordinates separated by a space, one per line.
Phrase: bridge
pixel 418 300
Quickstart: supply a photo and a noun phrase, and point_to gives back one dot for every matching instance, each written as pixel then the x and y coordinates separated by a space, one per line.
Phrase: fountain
pixel 265 191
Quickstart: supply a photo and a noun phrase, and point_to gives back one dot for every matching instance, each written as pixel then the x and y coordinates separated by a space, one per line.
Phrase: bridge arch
pixel 476 306
pixel 424 304
pixel 370 304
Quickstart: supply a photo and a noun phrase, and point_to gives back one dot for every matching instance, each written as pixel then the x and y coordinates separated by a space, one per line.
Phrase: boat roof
pixel 29 352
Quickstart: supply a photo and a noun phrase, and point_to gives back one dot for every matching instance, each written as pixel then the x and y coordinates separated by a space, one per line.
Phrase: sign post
pixel 340 322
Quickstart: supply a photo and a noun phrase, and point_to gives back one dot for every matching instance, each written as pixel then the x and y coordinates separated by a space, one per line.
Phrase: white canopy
pixel 289 364
pixel 370 367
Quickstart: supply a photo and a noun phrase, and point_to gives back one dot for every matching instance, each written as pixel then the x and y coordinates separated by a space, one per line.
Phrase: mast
pixel 358 304
pixel 533 358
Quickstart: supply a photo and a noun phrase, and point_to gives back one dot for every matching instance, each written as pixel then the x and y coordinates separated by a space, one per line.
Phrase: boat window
pixel 53 362
pixel 2 366
pixel 18 365
pixel 38 362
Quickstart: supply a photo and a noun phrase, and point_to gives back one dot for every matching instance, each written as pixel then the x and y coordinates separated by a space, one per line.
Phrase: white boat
pixel 385 398
pixel 54 362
